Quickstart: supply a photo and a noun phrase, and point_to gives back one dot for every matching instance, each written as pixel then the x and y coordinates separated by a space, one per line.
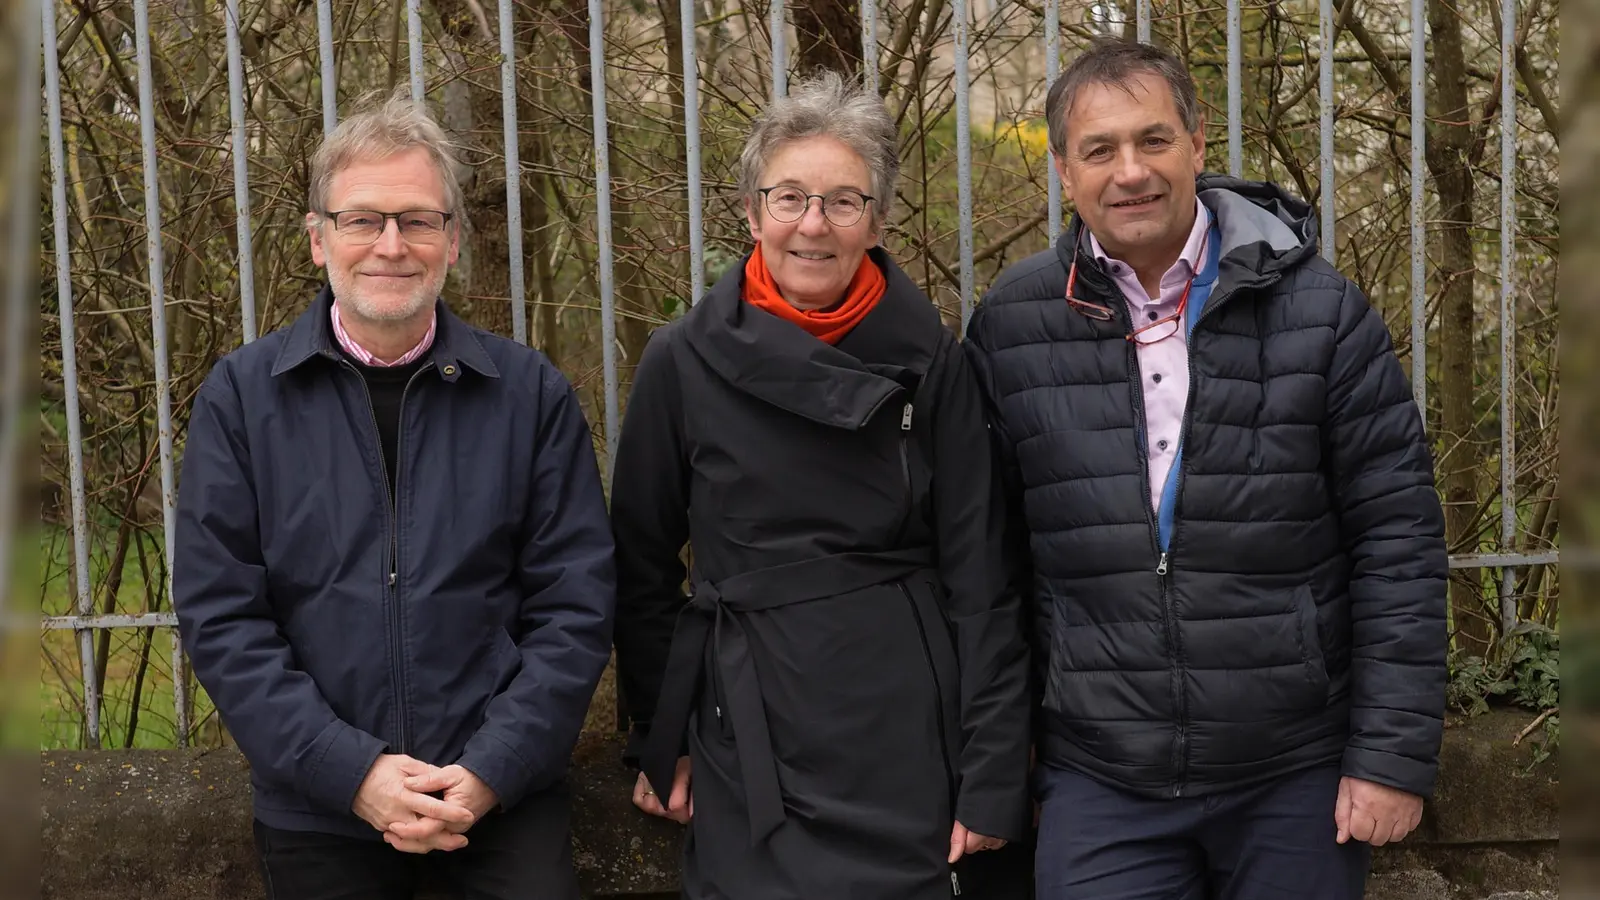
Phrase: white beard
pixel 358 304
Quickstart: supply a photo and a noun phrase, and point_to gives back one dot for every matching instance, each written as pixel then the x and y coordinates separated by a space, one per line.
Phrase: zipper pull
pixel 393 577
pixel 1161 566
pixel 955 885
pixel 905 418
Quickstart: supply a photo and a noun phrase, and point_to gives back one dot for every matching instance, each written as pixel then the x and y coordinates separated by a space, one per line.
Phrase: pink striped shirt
pixel 361 355
pixel 1164 365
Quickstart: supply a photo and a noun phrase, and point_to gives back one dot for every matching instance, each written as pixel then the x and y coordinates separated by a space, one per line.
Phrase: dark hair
pixel 1114 61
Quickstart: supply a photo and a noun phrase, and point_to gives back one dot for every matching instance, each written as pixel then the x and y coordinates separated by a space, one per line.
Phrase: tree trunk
pixel 830 36
pixel 1449 144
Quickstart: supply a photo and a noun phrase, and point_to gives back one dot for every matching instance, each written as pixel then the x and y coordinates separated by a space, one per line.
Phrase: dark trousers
pixel 1263 842
pixel 523 854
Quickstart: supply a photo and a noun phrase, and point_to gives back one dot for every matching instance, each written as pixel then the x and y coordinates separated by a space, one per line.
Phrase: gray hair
pixel 1117 62
pixel 825 104
pixel 381 129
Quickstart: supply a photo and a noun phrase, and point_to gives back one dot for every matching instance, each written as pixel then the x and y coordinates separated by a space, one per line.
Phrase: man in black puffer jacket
pixel 1225 517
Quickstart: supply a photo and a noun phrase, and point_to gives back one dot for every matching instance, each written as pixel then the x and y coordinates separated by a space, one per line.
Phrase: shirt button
pixel 1151 315
pixel 1116 270
pixel 1156 377
pixel 1161 445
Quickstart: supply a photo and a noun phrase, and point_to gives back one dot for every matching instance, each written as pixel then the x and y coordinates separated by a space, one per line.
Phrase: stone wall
pixel 176 825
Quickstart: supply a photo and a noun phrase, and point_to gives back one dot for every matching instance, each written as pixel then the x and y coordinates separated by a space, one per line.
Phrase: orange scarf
pixel 827 325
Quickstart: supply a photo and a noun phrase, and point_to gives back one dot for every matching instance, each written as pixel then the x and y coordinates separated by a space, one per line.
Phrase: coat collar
pixel 311 336
pixel 839 385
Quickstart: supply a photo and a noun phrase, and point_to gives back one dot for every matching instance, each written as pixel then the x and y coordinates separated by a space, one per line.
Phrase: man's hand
pixel 680 803
pixel 384 800
pixel 462 789
pixel 1375 813
pixel 963 842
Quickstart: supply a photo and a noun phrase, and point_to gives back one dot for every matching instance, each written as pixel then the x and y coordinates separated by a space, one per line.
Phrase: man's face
pixel 393 278
pixel 1130 167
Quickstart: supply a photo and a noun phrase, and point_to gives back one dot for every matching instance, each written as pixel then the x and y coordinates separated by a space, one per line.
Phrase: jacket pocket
pixel 1311 657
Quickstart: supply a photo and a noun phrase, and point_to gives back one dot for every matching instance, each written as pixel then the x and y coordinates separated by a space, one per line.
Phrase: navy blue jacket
pixel 470 624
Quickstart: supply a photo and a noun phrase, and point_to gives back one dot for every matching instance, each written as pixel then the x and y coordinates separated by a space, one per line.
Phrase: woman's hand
pixel 680 803
pixel 963 842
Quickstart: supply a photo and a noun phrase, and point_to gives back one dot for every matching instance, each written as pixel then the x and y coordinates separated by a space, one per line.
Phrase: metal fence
pixel 86 621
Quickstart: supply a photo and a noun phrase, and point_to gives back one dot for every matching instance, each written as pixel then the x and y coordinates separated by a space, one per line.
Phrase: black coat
pixel 850 661
pixel 1300 616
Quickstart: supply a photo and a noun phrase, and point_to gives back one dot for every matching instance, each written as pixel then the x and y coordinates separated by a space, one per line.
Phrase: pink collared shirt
pixel 360 354
pixel 1164 365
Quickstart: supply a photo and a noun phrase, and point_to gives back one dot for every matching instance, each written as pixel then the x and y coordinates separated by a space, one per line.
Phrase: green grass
pixel 60 699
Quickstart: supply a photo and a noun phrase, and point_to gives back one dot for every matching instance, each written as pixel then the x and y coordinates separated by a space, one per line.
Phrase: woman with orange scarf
pixel 838 707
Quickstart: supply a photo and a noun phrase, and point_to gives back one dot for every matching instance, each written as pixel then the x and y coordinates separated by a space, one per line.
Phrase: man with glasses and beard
pixel 1223 516
pixel 394 568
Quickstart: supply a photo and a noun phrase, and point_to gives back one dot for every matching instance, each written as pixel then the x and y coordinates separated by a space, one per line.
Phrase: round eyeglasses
pixel 843 207
pixel 363 226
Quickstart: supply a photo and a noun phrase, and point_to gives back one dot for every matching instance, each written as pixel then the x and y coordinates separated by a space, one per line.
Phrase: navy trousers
pixel 1263 842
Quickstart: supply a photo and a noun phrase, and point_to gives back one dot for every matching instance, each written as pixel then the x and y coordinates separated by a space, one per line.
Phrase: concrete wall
pixel 176 825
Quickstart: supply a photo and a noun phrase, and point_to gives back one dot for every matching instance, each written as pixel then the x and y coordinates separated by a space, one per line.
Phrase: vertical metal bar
pixel 508 114
pixel 1052 70
pixel 158 303
pixel 1508 311
pixel 780 51
pixel 602 199
pixel 869 44
pixel 330 79
pixel 1419 245
pixel 1235 92
pixel 69 374
pixel 1325 128
pixel 1142 20
pixel 964 156
pixel 691 146
pixel 241 174
pixel 414 44
pixel 180 691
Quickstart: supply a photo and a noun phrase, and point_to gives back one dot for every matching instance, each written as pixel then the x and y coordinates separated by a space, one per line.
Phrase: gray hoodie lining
pixel 1242 222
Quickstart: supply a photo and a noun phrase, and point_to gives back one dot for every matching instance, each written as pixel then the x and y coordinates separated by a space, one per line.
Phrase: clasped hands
pixel 396 799
pixel 680 808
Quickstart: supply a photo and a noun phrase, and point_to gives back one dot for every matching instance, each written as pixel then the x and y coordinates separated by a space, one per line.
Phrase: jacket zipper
pixel 1163 557
pixel 905 475
pixel 391 589
pixel 922 632
pixel 938 712
pixel 1169 618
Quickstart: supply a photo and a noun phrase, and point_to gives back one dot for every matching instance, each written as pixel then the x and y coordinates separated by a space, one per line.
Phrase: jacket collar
pixel 455 346
pixel 840 385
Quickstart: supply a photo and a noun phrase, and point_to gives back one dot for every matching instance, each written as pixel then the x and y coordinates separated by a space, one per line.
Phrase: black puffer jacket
pixel 1301 615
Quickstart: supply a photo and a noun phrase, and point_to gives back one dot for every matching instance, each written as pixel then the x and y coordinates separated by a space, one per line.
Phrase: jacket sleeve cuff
pixel 499 767
pixel 341 758
pixel 1413 776
pixel 997 814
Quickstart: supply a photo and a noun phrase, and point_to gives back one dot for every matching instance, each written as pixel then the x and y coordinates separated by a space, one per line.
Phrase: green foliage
pixel 1525 672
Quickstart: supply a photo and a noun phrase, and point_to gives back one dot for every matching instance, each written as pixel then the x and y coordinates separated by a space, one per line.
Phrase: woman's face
pixel 811 259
